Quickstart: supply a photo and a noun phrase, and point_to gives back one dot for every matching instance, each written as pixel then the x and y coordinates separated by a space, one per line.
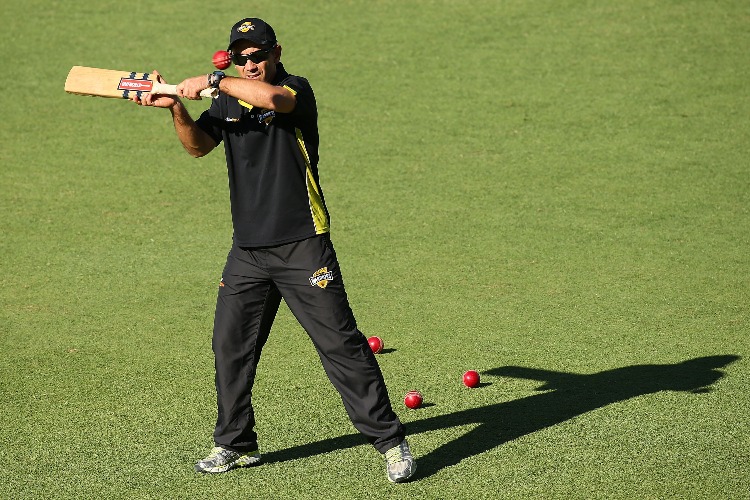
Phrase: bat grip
pixel 167 89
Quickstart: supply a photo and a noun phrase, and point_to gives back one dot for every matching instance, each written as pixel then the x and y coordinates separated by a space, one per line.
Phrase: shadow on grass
pixel 568 395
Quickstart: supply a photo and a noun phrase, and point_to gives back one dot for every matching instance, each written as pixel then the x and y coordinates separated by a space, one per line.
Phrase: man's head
pixel 255 51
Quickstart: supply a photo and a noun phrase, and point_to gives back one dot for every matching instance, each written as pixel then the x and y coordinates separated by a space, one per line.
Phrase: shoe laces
pixel 216 452
pixel 396 454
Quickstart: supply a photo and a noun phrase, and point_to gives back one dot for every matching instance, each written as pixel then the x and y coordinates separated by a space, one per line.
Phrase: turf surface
pixel 552 193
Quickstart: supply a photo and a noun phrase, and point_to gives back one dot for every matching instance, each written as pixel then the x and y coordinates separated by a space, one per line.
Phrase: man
pixel 281 248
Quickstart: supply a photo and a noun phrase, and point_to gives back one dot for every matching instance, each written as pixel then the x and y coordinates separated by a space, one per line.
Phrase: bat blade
pixel 107 83
pixel 115 84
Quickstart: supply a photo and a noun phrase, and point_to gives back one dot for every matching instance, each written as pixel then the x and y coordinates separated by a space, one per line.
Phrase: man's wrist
pixel 215 78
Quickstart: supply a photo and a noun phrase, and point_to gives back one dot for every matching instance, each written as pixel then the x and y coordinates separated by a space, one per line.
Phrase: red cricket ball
pixel 222 59
pixel 376 344
pixel 471 378
pixel 413 399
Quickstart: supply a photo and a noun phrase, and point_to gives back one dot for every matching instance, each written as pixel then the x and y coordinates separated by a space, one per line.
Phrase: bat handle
pixel 166 89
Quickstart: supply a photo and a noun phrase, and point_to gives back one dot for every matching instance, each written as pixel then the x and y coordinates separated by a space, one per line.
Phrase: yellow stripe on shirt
pixel 317 210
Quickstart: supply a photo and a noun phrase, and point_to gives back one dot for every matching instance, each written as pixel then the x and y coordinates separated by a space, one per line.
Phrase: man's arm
pixel 195 141
pixel 260 94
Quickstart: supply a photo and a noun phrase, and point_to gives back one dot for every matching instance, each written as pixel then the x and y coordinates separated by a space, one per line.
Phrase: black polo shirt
pixel 272 161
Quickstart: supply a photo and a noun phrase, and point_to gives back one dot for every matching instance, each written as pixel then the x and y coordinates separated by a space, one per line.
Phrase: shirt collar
pixel 280 74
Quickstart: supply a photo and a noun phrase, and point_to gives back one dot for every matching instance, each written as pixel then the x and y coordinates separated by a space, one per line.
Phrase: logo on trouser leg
pixel 321 277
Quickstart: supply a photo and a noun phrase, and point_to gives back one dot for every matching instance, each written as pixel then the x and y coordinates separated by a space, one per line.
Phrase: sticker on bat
pixel 136 85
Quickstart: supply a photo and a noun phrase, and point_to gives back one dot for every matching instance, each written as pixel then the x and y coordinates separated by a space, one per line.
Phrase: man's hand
pixel 156 100
pixel 191 88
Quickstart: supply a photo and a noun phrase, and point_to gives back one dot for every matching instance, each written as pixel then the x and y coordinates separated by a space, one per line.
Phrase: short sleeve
pixel 210 121
pixel 300 87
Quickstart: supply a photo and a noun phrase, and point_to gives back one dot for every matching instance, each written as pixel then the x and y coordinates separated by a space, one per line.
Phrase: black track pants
pixel 306 275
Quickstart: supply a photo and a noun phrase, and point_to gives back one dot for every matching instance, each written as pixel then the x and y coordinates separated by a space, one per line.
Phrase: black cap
pixel 253 29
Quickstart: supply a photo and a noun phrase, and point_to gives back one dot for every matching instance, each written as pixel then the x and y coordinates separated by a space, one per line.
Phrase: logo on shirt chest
pixel 265 116
pixel 262 115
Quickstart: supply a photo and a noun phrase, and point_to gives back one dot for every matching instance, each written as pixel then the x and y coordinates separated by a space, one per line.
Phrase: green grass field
pixel 554 193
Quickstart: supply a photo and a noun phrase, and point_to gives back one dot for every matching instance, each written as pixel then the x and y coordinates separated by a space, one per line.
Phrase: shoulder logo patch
pixel 321 277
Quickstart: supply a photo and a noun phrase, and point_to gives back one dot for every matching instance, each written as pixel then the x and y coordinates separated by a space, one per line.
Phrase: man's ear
pixel 277 54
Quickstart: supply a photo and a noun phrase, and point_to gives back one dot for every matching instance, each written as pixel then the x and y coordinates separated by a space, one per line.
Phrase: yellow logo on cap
pixel 245 27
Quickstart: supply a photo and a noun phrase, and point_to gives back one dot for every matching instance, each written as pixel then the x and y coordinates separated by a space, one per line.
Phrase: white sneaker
pixel 399 463
pixel 222 460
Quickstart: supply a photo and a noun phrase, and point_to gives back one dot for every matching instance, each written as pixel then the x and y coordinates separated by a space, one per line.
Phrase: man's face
pixel 265 70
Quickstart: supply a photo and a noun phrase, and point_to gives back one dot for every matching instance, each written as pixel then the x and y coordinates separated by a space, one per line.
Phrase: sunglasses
pixel 256 57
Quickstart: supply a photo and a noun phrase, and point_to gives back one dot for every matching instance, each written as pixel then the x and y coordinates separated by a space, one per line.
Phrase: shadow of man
pixel 568 396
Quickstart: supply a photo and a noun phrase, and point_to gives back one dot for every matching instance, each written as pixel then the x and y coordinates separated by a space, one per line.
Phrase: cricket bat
pixel 118 84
